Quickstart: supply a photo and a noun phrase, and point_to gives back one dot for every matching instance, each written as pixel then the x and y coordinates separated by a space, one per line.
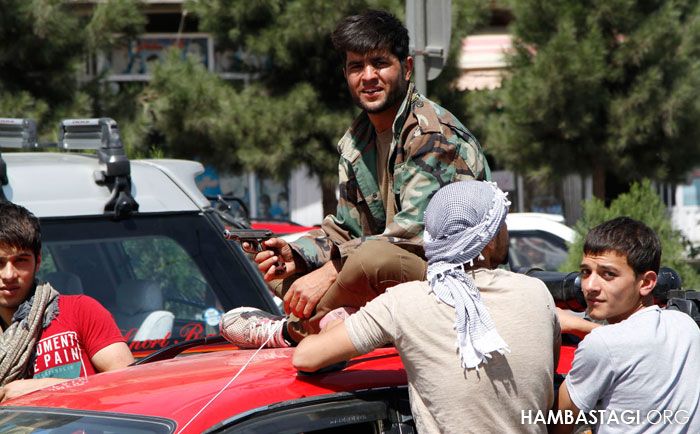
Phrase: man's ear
pixel 648 282
pixel 408 68
pixel 38 262
pixel 345 73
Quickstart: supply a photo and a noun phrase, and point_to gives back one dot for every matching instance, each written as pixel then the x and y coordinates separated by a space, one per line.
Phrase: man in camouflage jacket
pixel 430 148
pixel 399 151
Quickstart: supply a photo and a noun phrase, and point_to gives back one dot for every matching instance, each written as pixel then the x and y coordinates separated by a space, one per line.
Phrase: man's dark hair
pixel 372 30
pixel 628 237
pixel 19 228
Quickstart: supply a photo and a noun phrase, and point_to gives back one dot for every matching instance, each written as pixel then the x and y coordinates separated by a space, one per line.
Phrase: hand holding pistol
pixel 254 238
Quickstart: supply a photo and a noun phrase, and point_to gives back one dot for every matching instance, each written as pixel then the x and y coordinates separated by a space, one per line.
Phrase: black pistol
pixel 255 237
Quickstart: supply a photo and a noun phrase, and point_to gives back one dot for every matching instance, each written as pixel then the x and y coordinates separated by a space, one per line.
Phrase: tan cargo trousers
pixel 368 271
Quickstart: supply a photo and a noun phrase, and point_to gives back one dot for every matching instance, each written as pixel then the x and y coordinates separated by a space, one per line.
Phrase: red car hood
pixel 178 389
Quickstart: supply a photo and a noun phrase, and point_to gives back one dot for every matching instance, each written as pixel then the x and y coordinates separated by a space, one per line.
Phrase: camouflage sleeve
pixel 433 160
pixel 313 248
pixel 321 245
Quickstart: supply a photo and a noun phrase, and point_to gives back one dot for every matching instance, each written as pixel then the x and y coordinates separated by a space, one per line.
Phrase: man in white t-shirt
pixel 640 373
pixel 479 344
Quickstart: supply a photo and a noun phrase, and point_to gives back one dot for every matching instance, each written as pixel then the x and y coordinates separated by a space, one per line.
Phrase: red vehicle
pixel 244 391
pixel 281 227
pixel 223 392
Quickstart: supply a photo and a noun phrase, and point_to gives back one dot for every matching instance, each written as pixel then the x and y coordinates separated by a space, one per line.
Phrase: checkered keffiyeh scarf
pixel 460 220
pixel 17 342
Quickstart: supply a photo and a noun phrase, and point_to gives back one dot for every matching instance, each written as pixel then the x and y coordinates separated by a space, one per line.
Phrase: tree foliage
pixel 194 114
pixel 641 203
pixel 44 43
pixel 599 86
pixel 294 112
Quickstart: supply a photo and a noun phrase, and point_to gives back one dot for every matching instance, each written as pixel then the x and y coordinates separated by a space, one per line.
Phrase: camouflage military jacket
pixel 430 148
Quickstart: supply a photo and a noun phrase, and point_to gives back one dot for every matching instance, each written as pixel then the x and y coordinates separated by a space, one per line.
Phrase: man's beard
pixel 394 97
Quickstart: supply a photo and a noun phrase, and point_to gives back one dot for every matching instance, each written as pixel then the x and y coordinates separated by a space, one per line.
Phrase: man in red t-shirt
pixel 46 338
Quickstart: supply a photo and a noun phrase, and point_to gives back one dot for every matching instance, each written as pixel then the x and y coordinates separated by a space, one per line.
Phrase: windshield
pixel 536 249
pixel 164 278
pixel 70 422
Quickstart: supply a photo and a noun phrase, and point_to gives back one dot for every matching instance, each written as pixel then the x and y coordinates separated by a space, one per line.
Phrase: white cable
pixel 281 323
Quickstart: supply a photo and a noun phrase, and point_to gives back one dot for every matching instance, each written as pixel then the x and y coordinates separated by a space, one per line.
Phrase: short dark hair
pixel 628 237
pixel 371 30
pixel 19 228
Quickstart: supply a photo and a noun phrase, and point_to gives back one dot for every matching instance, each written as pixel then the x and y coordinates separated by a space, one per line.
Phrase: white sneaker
pixel 249 327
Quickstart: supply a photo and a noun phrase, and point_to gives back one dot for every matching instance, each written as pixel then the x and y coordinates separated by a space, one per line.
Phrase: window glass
pixel 533 249
pixel 44 422
pixel 47 263
pixel 211 185
pixel 157 292
pixel 371 413
pixel 164 279
pixel 185 291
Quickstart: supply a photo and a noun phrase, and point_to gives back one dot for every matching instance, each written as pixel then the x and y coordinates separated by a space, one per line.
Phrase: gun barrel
pixel 247 234
pixel 255 237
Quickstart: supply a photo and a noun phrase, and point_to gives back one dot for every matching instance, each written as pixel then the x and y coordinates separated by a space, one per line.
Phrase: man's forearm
pixel 563 403
pixel 573 324
pixel 22 387
pixel 318 351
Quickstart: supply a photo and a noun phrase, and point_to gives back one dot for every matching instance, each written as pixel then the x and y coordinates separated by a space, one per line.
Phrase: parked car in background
pixel 138 236
pixel 538 240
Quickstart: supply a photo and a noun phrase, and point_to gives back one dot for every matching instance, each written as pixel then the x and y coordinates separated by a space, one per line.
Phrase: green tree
pixel 44 43
pixel 599 87
pixel 641 203
pixel 292 115
pixel 191 113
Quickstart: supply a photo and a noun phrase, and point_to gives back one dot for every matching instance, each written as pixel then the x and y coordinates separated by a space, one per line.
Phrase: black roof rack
pixel 101 134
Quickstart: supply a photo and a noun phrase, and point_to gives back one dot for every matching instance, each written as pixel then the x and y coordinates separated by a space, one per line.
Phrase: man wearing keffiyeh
pixel 46 338
pixel 480 344
pixel 453 238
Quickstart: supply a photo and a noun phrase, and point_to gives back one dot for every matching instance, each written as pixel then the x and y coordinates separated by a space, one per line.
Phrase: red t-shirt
pixel 82 328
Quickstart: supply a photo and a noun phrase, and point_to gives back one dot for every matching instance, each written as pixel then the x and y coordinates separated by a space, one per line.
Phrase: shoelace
pixel 278 325
pixel 266 330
